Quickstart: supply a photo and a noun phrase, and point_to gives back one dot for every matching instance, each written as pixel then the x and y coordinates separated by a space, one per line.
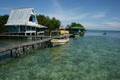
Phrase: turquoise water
pixel 92 57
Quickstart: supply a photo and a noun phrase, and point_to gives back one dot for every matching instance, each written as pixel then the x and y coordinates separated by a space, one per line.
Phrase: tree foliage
pixel 3 20
pixel 51 23
pixel 73 24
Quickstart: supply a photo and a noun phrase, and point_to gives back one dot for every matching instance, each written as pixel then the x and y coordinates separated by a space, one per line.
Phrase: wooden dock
pixel 18 49
pixel 24 47
pixel 23 36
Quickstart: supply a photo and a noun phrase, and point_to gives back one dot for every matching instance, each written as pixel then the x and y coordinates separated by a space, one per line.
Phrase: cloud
pixel 112 24
pixel 111 19
pixel 102 25
pixel 73 14
pixel 99 15
pixel 68 17
pixel 90 24
pixel 63 14
pixel 91 20
pixel 56 6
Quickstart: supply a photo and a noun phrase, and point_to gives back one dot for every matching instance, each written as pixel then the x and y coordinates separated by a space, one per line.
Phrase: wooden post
pixel 24 49
pixel 27 49
pixel 33 47
pixel 11 54
pixel 39 44
pixel 45 44
pixel 17 52
pixel 41 38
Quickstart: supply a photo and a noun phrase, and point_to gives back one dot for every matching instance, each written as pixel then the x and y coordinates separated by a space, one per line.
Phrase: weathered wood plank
pixel 23 45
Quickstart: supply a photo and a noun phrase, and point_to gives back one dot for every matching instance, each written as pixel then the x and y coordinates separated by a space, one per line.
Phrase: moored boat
pixel 60 37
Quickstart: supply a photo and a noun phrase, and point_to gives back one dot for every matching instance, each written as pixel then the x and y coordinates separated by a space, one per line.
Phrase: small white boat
pixel 59 37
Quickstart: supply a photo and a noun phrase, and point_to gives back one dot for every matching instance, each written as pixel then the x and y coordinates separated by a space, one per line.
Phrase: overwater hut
pixel 23 21
pixel 76 30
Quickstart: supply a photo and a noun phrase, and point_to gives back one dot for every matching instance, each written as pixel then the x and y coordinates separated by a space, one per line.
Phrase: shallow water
pixel 92 57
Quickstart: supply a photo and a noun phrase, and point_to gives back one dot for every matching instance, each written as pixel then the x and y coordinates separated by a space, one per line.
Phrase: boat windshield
pixel 55 33
pixel 60 34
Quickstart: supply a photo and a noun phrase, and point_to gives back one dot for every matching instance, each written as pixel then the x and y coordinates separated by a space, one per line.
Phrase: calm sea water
pixel 92 57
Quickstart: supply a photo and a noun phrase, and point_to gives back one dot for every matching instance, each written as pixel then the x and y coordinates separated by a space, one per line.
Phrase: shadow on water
pixel 7 43
pixel 4 56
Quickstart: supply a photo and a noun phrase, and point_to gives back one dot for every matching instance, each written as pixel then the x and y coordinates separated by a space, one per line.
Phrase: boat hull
pixel 56 42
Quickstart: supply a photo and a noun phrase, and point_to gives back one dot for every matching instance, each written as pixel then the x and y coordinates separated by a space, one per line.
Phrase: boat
pixel 59 37
pixel 104 33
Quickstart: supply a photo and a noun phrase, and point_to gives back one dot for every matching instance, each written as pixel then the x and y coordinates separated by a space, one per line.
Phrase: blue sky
pixel 93 14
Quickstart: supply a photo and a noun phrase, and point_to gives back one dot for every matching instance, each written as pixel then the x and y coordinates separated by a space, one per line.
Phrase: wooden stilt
pixel 33 47
pixel 17 52
pixel 11 54
pixel 27 49
pixel 24 49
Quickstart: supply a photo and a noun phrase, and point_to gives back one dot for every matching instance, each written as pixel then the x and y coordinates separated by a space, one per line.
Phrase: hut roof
pixel 76 27
pixel 21 17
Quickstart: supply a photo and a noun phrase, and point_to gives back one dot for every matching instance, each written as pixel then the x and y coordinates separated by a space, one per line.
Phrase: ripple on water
pixel 84 58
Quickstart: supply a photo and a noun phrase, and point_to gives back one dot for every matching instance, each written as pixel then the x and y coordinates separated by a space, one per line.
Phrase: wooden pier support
pixel 17 52
pixel 33 47
pixel 25 47
pixel 24 51
pixel 11 54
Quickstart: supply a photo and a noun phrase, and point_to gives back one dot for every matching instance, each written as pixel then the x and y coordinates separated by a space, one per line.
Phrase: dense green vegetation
pixel 3 20
pixel 51 23
pixel 72 25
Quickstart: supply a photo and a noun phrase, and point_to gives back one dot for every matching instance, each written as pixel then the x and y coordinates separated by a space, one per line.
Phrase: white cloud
pixel 91 24
pixel 68 17
pixel 73 14
pixel 65 14
pixel 102 25
pixel 112 24
pixel 99 15
pixel 56 6
pixel 116 18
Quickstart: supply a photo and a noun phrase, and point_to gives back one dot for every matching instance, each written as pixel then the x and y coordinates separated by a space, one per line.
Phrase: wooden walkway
pixel 25 46
pixel 23 36
pixel 39 41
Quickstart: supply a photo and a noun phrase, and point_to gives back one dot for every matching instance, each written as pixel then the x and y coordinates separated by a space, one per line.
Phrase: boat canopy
pixel 64 32
pixel 60 31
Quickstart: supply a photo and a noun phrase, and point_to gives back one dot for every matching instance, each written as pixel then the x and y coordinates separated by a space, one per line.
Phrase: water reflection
pixel 58 52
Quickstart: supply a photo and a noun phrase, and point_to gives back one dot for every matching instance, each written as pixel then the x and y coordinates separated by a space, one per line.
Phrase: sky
pixel 92 14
